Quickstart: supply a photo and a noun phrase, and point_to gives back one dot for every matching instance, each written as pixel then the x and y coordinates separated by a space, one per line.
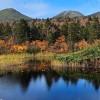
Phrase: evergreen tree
pixel 7 31
pixel 34 33
pixel 2 31
pixel 84 34
pixel 93 28
pixel 64 30
pixel 42 32
pixel 70 36
pixel 21 32
pixel 54 35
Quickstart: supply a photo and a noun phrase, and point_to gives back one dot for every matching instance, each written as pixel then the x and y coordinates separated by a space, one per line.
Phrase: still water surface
pixel 47 86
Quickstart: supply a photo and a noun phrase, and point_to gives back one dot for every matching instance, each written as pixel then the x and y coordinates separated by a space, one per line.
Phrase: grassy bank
pixel 15 62
pixel 86 58
pixel 45 55
pixel 11 61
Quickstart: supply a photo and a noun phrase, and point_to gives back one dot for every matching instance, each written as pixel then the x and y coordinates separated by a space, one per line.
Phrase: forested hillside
pixel 56 35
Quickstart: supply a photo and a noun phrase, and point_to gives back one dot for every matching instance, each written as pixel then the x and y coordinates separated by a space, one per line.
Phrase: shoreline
pixel 17 62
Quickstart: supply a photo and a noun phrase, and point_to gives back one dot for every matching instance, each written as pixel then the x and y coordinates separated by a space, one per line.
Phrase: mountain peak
pixel 70 14
pixel 97 14
pixel 9 9
pixel 12 14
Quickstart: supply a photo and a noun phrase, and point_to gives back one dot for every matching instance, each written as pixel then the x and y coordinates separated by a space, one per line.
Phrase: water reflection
pixel 47 84
pixel 24 79
pixel 38 65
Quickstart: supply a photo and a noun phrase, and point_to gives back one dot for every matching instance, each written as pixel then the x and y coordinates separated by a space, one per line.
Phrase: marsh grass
pixel 45 55
pixel 85 58
pixel 12 61
pixel 18 62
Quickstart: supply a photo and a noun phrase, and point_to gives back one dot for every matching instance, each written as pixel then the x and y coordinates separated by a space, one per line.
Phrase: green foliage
pixel 64 30
pixel 21 32
pixel 88 54
pixel 1 31
pixel 53 36
pixel 34 33
pixel 5 31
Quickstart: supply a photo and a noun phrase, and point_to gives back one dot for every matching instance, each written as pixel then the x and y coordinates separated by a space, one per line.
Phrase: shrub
pixel 33 49
pixel 19 49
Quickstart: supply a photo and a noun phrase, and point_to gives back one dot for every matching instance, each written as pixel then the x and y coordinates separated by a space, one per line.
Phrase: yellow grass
pixel 45 55
pixel 13 59
pixel 13 62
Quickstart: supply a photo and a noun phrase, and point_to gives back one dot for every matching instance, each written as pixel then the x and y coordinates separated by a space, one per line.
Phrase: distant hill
pixel 12 14
pixel 70 14
pixel 97 14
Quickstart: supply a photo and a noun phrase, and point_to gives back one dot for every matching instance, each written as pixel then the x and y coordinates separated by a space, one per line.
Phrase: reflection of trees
pixel 24 80
pixel 50 77
pixel 36 69
pixel 72 80
pixel 96 83
pixel 36 65
pixel 35 75
pixel 56 78
pixel 72 75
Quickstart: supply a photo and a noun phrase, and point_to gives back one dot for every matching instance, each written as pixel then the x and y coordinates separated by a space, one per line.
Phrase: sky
pixel 50 8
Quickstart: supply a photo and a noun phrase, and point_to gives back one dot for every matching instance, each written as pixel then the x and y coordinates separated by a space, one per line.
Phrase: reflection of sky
pixel 10 89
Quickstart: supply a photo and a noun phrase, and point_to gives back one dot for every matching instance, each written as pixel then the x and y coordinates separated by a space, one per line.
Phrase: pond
pixel 43 84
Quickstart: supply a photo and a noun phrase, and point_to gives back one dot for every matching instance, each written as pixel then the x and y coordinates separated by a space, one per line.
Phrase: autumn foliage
pixel 60 46
pixel 84 44
pixel 41 44
pixel 19 48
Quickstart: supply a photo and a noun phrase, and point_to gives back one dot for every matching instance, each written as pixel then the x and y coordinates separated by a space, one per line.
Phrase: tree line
pixel 71 29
